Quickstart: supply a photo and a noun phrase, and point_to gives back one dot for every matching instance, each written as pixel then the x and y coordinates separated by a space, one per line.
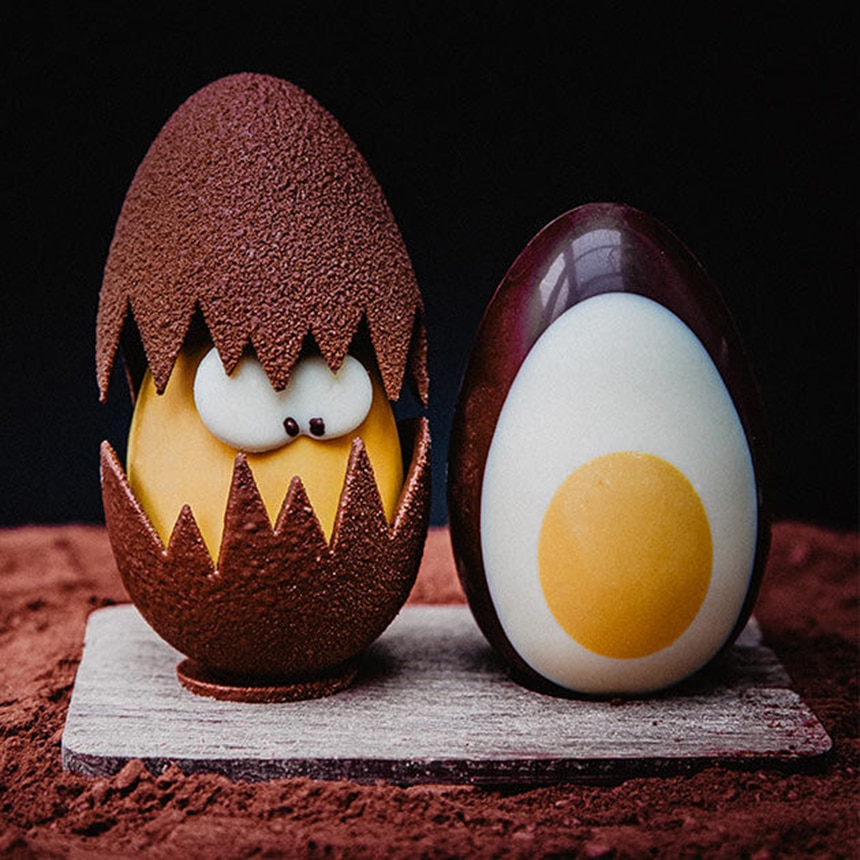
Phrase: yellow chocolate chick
pixel 176 458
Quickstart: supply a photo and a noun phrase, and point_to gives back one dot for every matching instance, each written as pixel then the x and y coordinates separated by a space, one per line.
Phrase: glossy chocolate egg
pixel 606 460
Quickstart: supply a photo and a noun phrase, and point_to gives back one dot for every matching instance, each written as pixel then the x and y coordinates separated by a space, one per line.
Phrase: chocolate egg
pixel 606 458
pixel 271 516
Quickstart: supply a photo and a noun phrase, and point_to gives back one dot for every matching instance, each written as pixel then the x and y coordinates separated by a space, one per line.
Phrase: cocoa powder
pixel 51 578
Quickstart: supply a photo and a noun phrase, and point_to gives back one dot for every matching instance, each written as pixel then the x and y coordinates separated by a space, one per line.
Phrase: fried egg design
pixel 604 487
pixel 618 552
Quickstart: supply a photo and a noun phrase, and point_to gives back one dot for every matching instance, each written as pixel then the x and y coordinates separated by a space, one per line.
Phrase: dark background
pixel 735 128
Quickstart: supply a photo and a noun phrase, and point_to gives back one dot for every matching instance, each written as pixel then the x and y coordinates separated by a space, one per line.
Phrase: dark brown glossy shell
pixel 603 247
pixel 281 603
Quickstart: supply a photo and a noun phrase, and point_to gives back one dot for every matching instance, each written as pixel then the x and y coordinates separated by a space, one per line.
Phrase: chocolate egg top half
pixel 254 211
pixel 605 467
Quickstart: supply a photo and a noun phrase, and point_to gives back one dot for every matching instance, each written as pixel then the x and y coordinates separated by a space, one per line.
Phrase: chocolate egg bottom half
pixel 606 462
pixel 282 607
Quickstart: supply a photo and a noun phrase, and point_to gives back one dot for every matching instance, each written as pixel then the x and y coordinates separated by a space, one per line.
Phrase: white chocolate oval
pixel 243 410
pixel 617 372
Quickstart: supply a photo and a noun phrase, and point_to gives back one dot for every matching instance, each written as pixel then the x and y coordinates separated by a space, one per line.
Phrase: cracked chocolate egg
pixel 605 468
pixel 271 514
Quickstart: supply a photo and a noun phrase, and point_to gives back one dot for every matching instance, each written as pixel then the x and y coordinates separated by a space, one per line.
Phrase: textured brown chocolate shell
pixel 281 603
pixel 255 208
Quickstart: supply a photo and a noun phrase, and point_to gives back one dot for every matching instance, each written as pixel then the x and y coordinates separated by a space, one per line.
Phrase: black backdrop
pixel 736 129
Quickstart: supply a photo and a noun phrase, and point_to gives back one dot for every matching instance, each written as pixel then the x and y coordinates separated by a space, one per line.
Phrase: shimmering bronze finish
pixel 593 249
pixel 282 607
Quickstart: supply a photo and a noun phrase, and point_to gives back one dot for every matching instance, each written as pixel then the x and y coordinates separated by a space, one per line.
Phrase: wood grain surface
pixel 430 704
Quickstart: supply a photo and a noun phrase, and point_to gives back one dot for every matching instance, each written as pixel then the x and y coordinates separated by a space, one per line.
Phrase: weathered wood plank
pixel 430 704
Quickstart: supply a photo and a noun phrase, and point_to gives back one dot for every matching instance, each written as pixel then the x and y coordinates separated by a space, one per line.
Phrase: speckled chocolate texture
pixel 254 208
pixel 282 603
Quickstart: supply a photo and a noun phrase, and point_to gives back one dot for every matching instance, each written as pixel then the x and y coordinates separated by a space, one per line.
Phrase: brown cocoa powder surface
pixel 52 577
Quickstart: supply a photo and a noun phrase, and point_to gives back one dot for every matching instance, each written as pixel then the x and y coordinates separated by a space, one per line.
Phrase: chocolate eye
pixel 245 412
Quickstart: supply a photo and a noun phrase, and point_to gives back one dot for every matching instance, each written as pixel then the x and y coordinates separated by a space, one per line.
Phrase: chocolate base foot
pixel 204 681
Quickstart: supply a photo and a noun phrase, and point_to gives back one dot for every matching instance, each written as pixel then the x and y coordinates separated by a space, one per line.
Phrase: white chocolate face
pixel 245 412
pixel 619 504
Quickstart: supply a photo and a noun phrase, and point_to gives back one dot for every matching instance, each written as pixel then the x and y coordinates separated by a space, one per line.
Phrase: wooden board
pixel 430 704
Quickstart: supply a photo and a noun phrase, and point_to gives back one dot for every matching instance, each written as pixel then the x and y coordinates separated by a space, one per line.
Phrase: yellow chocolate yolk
pixel 625 554
pixel 174 460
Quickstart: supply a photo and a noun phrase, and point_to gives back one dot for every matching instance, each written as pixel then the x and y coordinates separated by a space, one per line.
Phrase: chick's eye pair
pixel 315 425
pixel 244 410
